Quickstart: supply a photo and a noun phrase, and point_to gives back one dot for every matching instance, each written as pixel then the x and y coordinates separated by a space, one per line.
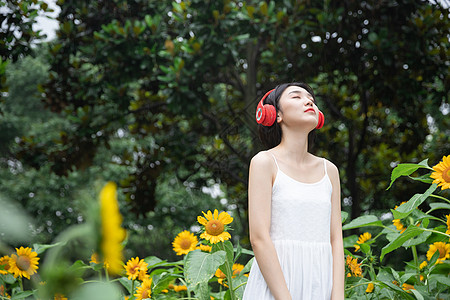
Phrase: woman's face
pixel 297 108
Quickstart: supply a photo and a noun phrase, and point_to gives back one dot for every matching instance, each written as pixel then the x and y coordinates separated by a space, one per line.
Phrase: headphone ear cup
pixel 321 120
pixel 270 115
pixel 265 113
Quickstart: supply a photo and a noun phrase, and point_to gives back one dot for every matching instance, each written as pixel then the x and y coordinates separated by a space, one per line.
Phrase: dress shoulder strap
pixel 325 165
pixel 275 160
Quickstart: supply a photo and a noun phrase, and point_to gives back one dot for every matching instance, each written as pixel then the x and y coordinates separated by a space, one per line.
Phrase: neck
pixel 295 145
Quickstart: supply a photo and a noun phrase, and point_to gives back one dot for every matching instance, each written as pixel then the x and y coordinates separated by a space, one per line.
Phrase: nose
pixel 309 102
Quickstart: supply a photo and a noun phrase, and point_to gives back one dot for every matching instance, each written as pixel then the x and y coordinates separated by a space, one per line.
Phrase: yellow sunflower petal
pixel 208 215
pixel 225 218
pixel 216 214
pixel 201 220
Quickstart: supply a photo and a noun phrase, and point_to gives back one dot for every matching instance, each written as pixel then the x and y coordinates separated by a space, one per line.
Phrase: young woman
pixel 294 205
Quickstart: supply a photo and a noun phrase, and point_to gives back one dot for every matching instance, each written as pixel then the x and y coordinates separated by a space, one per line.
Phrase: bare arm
pixel 259 209
pixel 336 240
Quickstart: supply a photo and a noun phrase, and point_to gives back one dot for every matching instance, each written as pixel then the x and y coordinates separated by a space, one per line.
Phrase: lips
pixel 310 109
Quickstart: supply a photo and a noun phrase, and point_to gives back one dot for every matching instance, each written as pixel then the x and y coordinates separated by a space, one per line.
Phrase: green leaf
pixel 434 258
pixel 78 267
pixel 202 291
pixel 406 208
pixel 418 240
pixel 126 284
pixel 201 266
pixel 445 280
pixel 239 286
pixel 238 252
pixel 395 274
pixel 365 248
pixel 417 294
pixel 248 266
pixel 163 282
pixel 344 216
pixel 406 169
pixel 40 248
pixel 21 295
pixel 439 205
pixel 97 291
pixel 363 221
pixel 410 232
pixel 229 249
pixel 424 178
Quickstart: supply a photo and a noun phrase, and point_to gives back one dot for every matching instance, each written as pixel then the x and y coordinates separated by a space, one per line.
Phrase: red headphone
pixel 266 113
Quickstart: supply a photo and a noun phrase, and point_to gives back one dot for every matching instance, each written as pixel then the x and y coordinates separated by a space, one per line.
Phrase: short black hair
pixel 270 136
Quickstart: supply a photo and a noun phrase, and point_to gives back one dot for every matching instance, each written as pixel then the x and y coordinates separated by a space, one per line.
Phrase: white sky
pixel 48 26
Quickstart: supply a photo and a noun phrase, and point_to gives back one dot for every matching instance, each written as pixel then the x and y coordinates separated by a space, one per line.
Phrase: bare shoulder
pixel 332 170
pixel 262 159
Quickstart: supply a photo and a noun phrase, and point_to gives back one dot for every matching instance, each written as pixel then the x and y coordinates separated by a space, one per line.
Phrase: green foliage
pixel 414 280
pixel 424 229
pixel 160 97
pixel 200 268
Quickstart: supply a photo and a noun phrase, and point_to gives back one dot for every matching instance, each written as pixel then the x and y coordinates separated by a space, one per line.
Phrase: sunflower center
pixel 442 252
pixel 446 175
pixel 185 244
pixel 145 294
pixel 134 269
pixel 214 227
pixel 23 263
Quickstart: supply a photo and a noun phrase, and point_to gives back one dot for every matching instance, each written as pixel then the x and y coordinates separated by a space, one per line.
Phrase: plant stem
pixel 21 284
pixel 416 262
pixel 438 232
pixel 106 274
pixel 229 274
pixel 132 287
pixel 439 197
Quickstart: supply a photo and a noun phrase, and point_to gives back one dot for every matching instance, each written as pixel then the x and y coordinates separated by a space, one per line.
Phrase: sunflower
pixel 94 258
pixel 444 251
pixel 220 275
pixel 179 288
pixel 59 297
pixel 397 223
pixel 407 287
pixel 237 269
pixel 423 265
pixel 370 288
pixel 215 226
pixel 24 263
pixel 354 267
pixel 112 233
pixel 4 264
pixel 362 239
pixel 442 173
pixel 184 242
pixel 448 224
pixel 3 292
pixel 135 267
pixel 204 248
pixel 144 291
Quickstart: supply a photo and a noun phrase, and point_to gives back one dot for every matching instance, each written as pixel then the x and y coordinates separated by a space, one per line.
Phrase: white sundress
pixel 300 231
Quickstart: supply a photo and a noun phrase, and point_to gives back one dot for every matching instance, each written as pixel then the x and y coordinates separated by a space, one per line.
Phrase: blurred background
pixel 160 96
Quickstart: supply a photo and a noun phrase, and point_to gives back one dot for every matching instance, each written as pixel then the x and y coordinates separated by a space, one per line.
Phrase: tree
pixel 183 78
pixel 17 34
